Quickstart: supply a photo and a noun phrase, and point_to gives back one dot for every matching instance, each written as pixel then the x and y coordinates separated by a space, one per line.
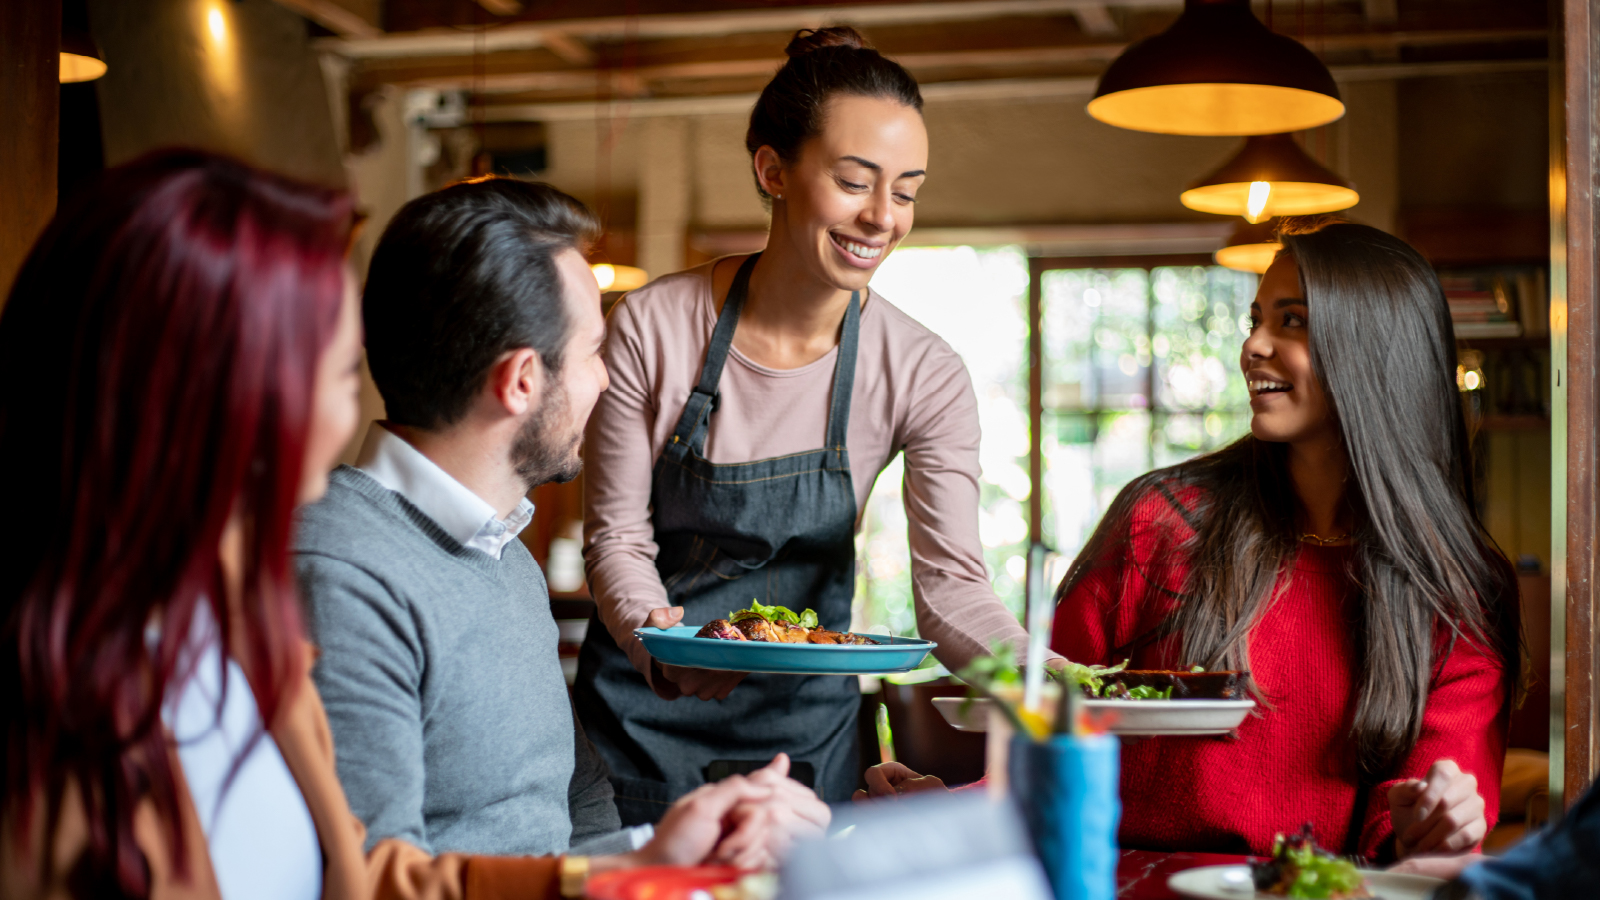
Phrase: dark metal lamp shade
pixel 1217 71
pixel 80 58
pixel 1251 248
pixel 1271 176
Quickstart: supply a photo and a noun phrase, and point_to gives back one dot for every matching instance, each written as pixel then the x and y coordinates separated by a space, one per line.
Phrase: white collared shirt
pixel 462 514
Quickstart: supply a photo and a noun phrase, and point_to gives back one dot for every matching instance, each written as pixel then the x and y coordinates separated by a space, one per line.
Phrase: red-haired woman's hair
pixel 157 359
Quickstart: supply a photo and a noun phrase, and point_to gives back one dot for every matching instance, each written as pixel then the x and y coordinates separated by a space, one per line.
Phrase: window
pixel 1140 370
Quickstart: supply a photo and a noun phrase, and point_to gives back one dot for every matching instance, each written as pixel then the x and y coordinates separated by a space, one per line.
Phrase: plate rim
pixel 1406 879
pixel 899 645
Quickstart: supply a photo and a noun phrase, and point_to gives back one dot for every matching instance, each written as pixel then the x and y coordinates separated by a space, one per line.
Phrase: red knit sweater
pixel 1296 761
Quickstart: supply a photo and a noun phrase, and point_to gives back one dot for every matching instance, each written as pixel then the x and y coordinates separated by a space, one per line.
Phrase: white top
pixel 262 841
pixel 462 514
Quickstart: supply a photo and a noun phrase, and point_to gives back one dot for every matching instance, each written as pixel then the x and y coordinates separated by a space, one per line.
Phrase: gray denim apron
pixel 778 530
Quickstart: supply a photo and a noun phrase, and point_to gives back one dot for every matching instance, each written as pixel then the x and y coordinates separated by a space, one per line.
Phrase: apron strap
pixel 844 376
pixel 695 421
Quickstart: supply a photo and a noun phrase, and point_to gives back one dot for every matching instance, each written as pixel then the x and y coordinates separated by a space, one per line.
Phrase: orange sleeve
pixel 400 871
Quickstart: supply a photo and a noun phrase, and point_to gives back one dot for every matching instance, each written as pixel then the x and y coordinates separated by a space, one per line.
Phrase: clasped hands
pixel 748 821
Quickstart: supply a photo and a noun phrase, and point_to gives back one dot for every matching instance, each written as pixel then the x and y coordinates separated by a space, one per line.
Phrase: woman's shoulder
pixel 675 296
pixel 1165 501
pixel 900 330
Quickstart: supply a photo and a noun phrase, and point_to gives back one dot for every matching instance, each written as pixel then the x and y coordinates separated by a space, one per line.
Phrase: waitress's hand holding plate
pixel 672 682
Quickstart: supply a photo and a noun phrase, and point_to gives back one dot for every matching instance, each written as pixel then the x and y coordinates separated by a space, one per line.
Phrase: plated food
pixel 777 625
pixel 1299 868
pixel 1121 683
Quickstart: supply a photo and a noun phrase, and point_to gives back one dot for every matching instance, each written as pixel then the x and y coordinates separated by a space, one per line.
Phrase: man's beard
pixel 541 454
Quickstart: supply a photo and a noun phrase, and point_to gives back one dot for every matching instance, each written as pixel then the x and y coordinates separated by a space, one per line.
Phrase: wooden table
pixel 1143 874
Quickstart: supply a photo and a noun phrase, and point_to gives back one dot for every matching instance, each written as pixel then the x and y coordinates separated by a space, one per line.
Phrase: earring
pixel 777 196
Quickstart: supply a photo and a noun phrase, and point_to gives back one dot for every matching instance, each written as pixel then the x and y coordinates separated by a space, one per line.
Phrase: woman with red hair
pixel 178 372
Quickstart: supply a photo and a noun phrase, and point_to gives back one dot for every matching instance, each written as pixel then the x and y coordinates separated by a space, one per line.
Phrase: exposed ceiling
pixel 552 59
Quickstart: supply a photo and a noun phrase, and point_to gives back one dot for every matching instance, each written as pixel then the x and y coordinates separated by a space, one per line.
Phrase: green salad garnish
pixel 806 619
pixel 1302 869
pixel 1090 677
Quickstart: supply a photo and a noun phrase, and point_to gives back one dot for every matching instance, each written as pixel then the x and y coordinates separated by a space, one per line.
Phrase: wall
pixel 29 35
pixel 235 76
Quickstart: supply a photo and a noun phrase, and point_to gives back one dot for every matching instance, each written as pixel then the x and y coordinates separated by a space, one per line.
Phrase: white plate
pixel 1218 883
pixel 1134 717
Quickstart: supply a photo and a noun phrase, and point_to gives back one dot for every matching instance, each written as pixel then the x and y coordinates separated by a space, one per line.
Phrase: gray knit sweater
pixel 451 722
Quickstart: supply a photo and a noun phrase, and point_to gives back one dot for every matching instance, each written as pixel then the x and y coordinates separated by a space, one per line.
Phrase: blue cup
pixel 1067 789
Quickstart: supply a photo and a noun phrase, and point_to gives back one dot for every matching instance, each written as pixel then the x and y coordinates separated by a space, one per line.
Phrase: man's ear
pixel 517 381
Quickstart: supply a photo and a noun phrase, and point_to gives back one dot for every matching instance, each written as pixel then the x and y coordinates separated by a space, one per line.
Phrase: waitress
pixel 753 402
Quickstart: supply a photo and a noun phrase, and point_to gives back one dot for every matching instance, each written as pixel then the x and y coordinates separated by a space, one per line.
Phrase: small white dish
pixel 1177 718
pixel 1233 883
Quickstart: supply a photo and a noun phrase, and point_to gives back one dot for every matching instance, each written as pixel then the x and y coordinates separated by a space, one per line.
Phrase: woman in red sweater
pixel 1336 555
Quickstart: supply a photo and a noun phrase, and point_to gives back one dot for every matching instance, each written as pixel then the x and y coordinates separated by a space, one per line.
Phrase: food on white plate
pixel 1118 682
pixel 776 625
pixel 1299 868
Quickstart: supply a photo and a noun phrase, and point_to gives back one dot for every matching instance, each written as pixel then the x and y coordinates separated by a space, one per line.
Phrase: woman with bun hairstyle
pixel 1334 554
pixel 753 402
pixel 179 371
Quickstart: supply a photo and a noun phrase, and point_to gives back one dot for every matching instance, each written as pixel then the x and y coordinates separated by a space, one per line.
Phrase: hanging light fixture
pixel 618 278
pixel 1217 71
pixel 1251 248
pixel 1271 176
pixel 80 58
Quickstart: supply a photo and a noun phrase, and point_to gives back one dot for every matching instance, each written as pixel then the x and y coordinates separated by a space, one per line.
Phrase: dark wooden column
pixel 1575 346
pixel 30 101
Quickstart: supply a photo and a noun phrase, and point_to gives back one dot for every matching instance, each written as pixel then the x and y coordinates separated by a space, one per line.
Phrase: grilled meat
pixel 824 636
pixel 755 628
pixel 721 629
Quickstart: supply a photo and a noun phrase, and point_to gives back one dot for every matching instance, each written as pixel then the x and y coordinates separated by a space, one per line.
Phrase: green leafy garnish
pixel 1197 669
pixel 1317 873
pixel 774 614
pixel 1146 692
pixel 1090 677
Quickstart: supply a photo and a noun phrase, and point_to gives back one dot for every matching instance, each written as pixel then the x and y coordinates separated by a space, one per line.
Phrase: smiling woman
pixel 754 402
pixel 1336 555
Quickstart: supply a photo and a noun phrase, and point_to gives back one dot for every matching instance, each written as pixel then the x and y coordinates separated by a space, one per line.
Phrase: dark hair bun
pixel 809 39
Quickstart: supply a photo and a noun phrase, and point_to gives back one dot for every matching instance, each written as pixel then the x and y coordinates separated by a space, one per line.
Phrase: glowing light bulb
pixel 1259 192
pixel 605 274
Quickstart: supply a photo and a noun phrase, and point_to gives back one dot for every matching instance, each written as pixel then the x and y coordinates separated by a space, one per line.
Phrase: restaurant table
pixel 1143 874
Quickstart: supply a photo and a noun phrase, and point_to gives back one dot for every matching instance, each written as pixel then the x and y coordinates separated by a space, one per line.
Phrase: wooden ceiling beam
pixel 984 90
pixel 512 72
pixel 337 18
pixel 450 41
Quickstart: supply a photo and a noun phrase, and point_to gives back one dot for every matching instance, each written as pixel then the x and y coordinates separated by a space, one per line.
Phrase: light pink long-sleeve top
pixel 912 393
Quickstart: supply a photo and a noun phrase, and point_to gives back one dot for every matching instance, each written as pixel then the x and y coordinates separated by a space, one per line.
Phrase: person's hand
pixel 1442 813
pixel 891 779
pixel 703 822
pixel 1442 867
pixel 672 682
pixel 794 812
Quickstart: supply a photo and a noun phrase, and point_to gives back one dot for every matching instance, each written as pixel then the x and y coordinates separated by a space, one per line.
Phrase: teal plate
pixel 677 646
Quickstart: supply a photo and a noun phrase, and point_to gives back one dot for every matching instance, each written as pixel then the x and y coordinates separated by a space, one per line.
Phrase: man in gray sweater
pixel 438 663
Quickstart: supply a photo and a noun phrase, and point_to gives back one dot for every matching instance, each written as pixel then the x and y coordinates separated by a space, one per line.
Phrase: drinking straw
pixel 1038 629
pixel 885 736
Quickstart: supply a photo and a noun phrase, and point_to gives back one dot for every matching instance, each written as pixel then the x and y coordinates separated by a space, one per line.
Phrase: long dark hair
pixel 823 63
pixel 157 359
pixel 1384 350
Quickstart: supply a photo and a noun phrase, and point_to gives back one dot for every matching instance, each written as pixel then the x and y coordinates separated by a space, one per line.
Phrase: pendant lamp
pixel 80 58
pixel 1251 248
pixel 1217 71
pixel 618 278
pixel 1271 176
